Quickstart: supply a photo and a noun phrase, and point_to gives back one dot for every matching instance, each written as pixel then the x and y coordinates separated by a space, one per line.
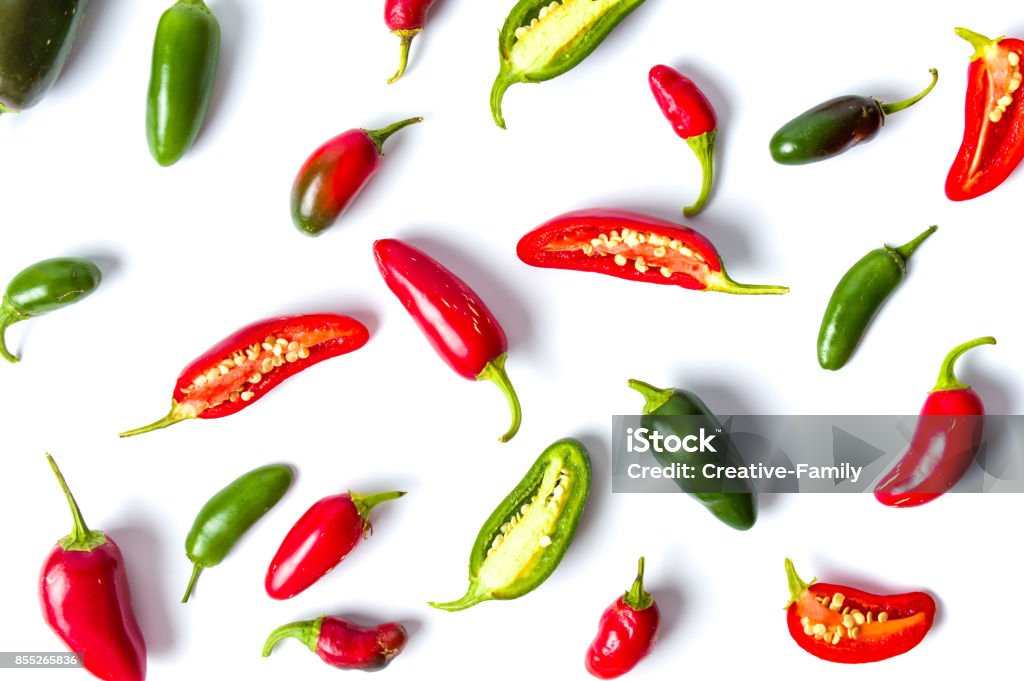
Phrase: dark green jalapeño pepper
pixel 230 513
pixel 185 55
pixel 541 40
pixel 44 287
pixel 733 501
pixel 36 37
pixel 526 536
pixel 858 297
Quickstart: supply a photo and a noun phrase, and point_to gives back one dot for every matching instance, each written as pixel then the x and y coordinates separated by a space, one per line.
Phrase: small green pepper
pixel 44 287
pixel 230 513
pixel 526 536
pixel 858 297
pixel 185 55
pixel 541 40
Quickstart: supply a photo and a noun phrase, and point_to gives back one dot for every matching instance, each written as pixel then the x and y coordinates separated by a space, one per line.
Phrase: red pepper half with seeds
pixel 632 246
pixel 840 624
pixel 248 364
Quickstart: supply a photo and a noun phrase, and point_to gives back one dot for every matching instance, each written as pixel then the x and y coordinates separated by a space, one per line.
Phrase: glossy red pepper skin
pixel 219 382
pixel 344 644
pixel 993 143
pixel 454 318
pixel 327 532
pixel 907 618
pixel 405 18
pixel 945 442
pixel 83 590
pixel 690 261
pixel 626 633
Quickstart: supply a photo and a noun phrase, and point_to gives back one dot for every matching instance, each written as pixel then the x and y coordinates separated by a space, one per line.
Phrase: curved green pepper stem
pixel 704 147
pixel 797 586
pixel 175 415
pixel 501 84
pixel 308 632
pixel 947 379
pixel 495 372
pixel 907 249
pixel 637 597
pixel 720 281
pixel 81 537
pixel 365 503
pixel 901 105
pixel 980 43
pixel 197 569
pixel 4 109
pixel 473 596
pixel 655 397
pixel 378 137
pixel 403 51
pixel 8 316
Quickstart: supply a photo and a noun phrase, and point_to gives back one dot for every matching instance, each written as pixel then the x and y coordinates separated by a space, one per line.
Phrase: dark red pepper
pixel 945 442
pixel 245 366
pixel 993 143
pixel 344 644
pixel 405 18
pixel 454 318
pixel 631 246
pixel 693 119
pixel 626 633
pixel 86 601
pixel 840 624
pixel 319 540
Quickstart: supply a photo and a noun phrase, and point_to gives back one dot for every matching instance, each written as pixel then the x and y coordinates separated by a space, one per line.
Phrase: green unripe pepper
pixel 185 54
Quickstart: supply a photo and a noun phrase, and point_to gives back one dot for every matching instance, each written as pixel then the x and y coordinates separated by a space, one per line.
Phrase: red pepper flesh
pixel 626 633
pixel 85 597
pixel 243 367
pixel 405 18
pixel 344 644
pixel 945 441
pixel 840 624
pixel 632 246
pixel 993 142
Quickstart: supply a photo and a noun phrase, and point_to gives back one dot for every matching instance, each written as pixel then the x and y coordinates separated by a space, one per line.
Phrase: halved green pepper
pixel 526 536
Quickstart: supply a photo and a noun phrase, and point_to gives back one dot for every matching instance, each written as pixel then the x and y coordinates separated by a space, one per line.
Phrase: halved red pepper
pixel 840 624
pixel 632 246
pixel 245 366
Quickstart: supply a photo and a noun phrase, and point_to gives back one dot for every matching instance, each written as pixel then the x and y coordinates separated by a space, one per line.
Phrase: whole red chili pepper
pixel 454 318
pixel 626 633
pixel 246 365
pixel 993 143
pixel 945 442
pixel 692 117
pixel 631 246
pixel 405 18
pixel 840 624
pixel 335 173
pixel 86 601
pixel 319 540
pixel 344 644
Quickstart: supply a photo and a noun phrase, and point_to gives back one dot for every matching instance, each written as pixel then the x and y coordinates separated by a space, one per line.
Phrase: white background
pixel 193 252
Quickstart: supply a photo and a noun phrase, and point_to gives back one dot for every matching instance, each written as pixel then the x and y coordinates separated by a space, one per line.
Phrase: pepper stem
pixel 8 316
pixel 81 537
pixel 797 586
pixel 947 379
pixel 403 51
pixel 173 416
pixel 655 397
pixel 4 109
pixel 307 631
pixel 196 571
pixel 495 372
pixel 979 42
pixel 907 249
pixel 720 281
pixel 501 83
pixel 365 503
pixel 900 106
pixel 378 137
pixel 637 597
pixel 703 146
pixel 473 596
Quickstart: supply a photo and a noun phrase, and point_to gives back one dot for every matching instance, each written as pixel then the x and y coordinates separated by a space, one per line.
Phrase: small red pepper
pixel 405 18
pixel 993 143
pixel 86 601
pixel 344 644
pixel 692 117
pixel 335 173
pixel 631 246
pixel 319 540
pixel 626 633
pixel 454 318
pixel 840 624
pixel 945 442
pixel 244 367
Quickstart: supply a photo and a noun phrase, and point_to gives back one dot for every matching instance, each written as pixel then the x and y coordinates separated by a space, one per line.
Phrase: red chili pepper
pixel 626 633
pixel 321 539
pixel 692 117
pixel 86 601
pixel 993 141
pixel 244 367
pixel 945 442
pixel 631 246
pixel 343 644
pixel 335 173
pixel 840 624
pixel 454 318
pixel 405 18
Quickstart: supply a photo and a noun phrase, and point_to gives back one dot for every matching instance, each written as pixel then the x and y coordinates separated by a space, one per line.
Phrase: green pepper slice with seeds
pixel 526 536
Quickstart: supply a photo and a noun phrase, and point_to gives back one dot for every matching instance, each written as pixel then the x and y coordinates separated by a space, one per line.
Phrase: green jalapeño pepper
pixel 542 39
pixel 526 536
pixel 733 501
pixel 185 55
pixel 44 287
